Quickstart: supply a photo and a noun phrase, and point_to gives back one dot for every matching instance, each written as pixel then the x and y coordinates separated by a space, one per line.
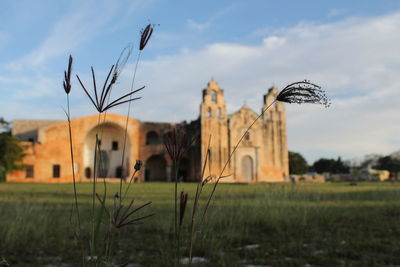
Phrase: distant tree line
pixel 299 165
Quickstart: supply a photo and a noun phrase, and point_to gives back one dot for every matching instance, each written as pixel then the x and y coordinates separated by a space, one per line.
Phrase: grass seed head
pixel 303 92
pixel 67 77
pixel 138 165
pixel 145 36
pixel 182 206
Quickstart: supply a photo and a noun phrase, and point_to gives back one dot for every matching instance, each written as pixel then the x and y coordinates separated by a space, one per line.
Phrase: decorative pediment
pixel 244 117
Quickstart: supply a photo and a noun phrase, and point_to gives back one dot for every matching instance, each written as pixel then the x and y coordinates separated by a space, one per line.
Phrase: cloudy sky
pixel 350 48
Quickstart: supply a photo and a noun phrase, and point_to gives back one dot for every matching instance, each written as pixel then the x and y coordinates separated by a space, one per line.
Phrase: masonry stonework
pixel 262 156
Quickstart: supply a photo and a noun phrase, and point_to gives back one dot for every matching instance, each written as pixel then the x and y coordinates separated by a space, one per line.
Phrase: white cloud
pixel 355 60
pixel 274 41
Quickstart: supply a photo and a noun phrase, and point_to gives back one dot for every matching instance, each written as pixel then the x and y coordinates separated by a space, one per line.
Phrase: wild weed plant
pixel 106 218
pixel 119 214
pixel 178 143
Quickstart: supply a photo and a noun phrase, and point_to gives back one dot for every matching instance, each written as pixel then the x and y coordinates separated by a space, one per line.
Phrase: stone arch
pixel 209 112
pixel 184 170
pixel 213 97
pixel 152 138
pixel 247 168
pixel 219 112
pixel 109 156
pixel 155 169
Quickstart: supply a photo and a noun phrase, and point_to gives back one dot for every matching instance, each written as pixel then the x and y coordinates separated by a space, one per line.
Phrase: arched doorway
pixel 247 168
pixel 184 170
pixel 155 169
pixel 109 157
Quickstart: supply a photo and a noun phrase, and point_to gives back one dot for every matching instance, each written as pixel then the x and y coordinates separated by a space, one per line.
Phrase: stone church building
pixel 261 157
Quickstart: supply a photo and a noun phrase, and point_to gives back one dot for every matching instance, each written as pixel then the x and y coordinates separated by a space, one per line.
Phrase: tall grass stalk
pixel 220 176
pixel 67 88
pixel 177 143
pixel 199 189
pixel 298 93
pixel 119 216
pixel 126 123
pixel 144 38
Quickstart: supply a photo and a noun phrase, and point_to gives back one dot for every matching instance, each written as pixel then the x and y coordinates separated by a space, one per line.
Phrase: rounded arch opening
pixel 209 112
pixel 213 97
pixel 184 170
pixel 109 156
pixel 155 169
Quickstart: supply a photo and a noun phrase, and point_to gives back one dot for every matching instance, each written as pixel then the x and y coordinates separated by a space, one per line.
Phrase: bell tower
pixel 214 122
pixel 275 139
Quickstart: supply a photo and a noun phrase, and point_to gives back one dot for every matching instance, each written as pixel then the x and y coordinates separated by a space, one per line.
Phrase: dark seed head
pixel 182 206
pixel 145 36
pixel 303 92
pixel 67 77
pixel 138 165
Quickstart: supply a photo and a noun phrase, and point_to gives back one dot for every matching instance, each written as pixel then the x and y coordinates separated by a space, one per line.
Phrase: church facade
pixel 262 156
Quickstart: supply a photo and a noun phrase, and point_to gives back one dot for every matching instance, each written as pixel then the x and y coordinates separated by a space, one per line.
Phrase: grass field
pixel 266 224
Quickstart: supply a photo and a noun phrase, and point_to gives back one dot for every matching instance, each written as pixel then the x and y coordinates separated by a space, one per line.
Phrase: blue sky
pixel 350 48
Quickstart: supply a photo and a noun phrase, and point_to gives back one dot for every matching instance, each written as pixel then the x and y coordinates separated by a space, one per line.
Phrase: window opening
pixel 29 171
pixel 114 145
pixel 56 171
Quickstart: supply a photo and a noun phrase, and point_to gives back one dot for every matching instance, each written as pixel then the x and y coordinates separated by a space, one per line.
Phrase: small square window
pixel 29 171
pixel 114 145
pixel 56 171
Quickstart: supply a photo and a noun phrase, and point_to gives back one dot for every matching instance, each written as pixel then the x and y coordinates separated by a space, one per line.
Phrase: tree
pixel 11 152
pixel 330 165
pixel 297 163
pixel 389 163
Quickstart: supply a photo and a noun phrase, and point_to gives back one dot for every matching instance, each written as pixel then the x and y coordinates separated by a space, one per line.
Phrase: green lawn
pixel 289 225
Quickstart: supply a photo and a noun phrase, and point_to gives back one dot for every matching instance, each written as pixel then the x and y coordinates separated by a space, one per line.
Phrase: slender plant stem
pixel 199 189
pixel 230 157
pixel 126 125
pixel 96 146
pixel 130 181
pixel 176 168
pixel 72 165
pixel 74 177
